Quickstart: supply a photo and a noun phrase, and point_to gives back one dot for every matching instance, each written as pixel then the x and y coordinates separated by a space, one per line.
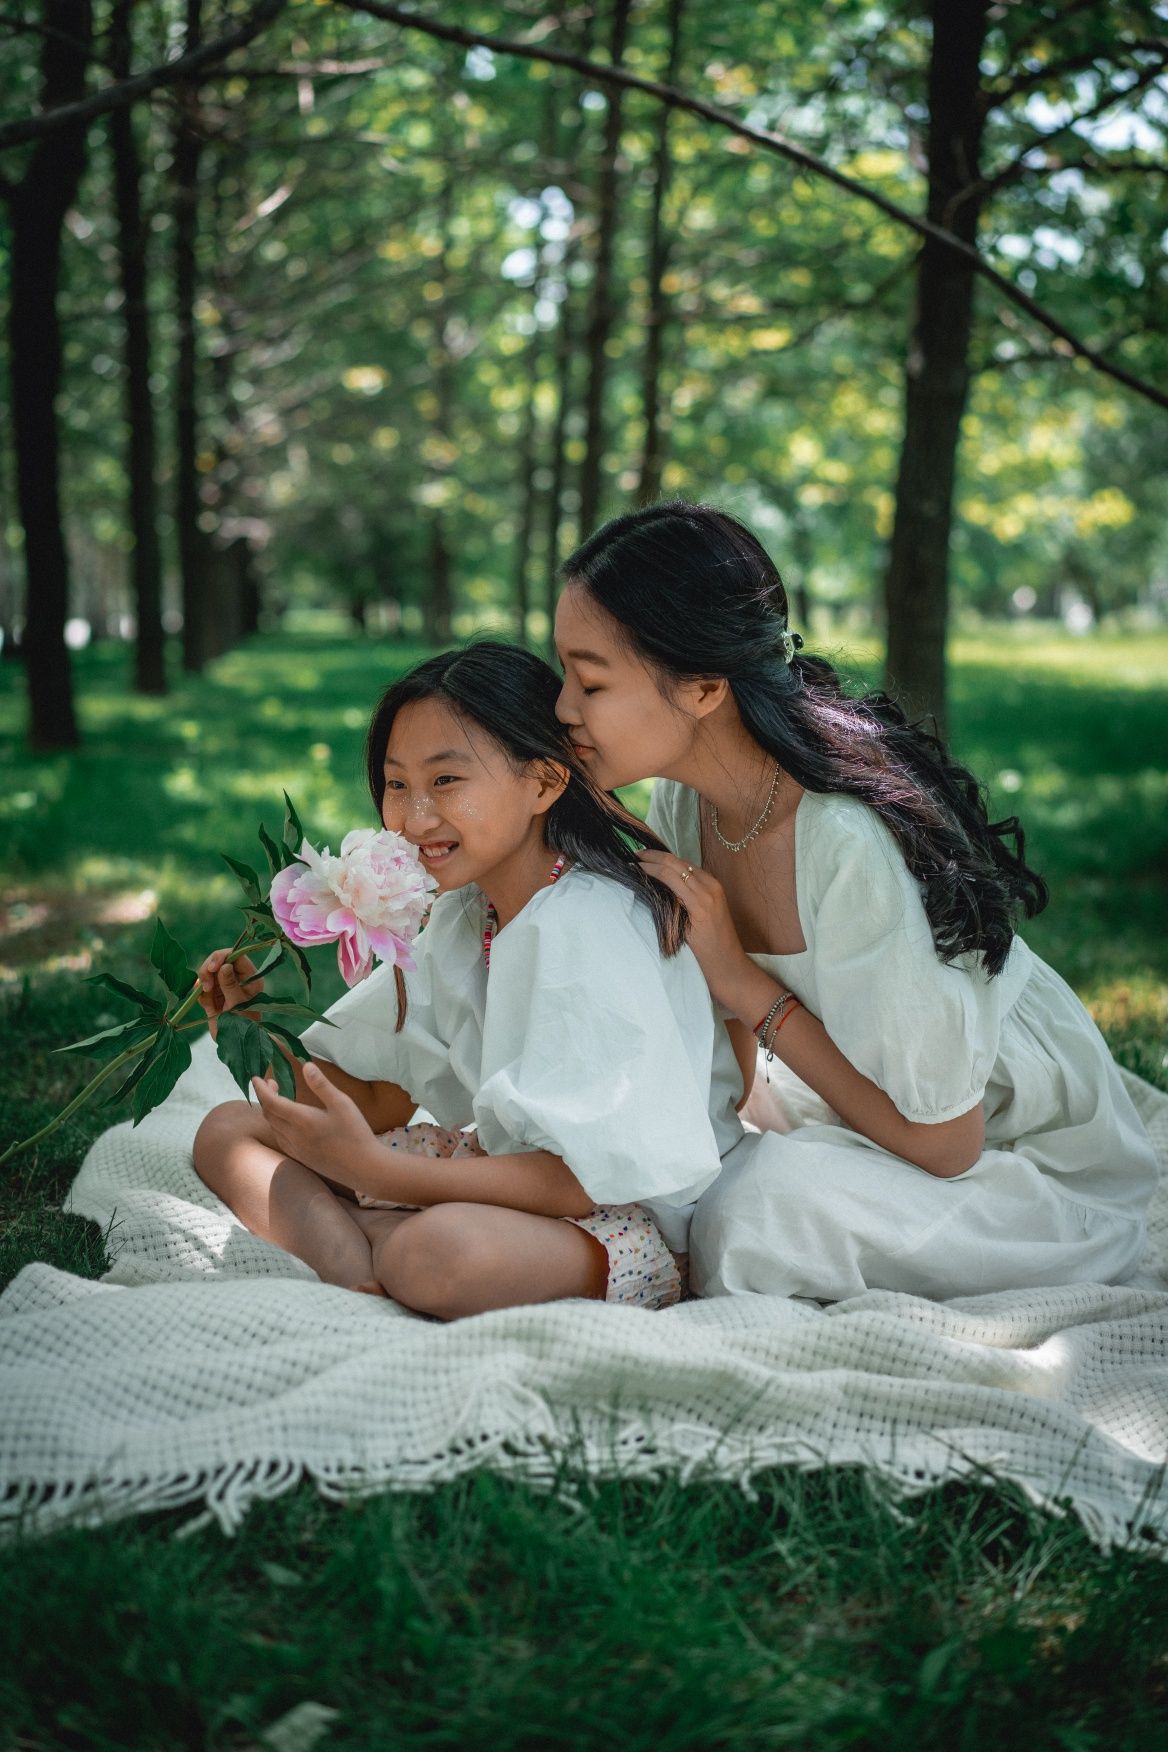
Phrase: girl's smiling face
pixel 622 725
pixel 451 790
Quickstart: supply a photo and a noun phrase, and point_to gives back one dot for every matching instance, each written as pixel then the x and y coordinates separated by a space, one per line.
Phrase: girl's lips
pixel 583 748
pixel 437 852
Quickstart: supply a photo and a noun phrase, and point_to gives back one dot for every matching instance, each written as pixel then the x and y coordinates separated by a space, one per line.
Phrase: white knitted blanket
pixel 209 1368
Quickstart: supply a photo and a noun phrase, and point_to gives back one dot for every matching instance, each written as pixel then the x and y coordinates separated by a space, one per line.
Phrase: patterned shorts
pixel 641 1269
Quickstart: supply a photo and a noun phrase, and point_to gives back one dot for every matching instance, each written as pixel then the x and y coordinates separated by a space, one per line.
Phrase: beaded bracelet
pixel 773 1021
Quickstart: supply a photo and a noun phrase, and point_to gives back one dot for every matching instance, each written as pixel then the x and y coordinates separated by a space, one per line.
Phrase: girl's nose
pixel 422 812
pixel 564 711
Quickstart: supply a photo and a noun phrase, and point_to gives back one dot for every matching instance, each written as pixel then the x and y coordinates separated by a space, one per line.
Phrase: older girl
pixel 851 905
pixel 554 1008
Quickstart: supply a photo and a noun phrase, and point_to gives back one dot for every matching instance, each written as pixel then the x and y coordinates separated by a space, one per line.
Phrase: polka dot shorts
pixel 641 1269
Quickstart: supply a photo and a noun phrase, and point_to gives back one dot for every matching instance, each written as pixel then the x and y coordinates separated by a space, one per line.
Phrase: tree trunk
pixel 916 590
pixel 526 471
pixel 529 439
pixel 649 486
pixel 37 208
pixel 439 609
pixel 192 548
pixel 439 603
pixel 141 461
pixel 9 594
pixel 565 353
pixel 601 315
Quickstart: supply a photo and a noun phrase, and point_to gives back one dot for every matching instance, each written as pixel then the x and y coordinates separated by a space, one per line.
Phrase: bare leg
pixel 279 1199
pixel 456 1259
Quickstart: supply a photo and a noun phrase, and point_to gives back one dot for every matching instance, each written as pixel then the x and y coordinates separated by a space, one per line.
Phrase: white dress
pixel 1060 1192
pixel 583 1040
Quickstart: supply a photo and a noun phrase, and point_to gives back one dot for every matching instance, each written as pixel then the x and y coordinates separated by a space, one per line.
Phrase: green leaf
pixel 287 1005
pixel 244 1048
pixel 292 1041
pixel 137 1072
pixel 246 876
pixel 259 917
pixel 298 962
pixel 115 1039
pixel 170 959
pixel 294 835
pixel 284 1074
pixel 169 1058
pixel 146 1002
pixel 277 856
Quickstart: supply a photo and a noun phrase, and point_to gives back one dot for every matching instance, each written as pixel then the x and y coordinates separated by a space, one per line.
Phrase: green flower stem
pixel 192 996
pixel 78 1100
pixel 171 1021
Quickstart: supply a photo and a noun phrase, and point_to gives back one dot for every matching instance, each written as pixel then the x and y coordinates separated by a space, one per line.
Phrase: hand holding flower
pixel 225 984
pixel 370 899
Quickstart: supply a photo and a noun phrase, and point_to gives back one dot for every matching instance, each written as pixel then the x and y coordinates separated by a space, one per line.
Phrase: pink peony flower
pixel 370 899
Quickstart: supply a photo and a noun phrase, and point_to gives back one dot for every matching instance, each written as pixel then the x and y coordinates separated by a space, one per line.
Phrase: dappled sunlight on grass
pixel 1066 733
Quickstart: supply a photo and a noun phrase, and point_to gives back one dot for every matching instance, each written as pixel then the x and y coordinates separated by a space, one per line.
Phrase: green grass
pixel 653 1618
pixel 485 1614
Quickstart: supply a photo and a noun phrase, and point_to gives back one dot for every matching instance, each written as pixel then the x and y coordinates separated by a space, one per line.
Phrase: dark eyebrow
pixel 446 754
pixel 589 657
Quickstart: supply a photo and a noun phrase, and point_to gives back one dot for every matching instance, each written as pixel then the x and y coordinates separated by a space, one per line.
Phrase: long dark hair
pixel 697 594
pixel 511 695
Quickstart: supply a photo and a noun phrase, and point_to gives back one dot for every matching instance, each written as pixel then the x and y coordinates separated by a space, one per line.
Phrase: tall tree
pixel 936 385
pixel 649 486
pixel 570 135
pixel 440 450
pixel 192 547
pixel 141 460
pixel 37 205
pixel 603 309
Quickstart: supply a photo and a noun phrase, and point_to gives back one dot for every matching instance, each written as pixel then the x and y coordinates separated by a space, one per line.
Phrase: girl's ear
pixel 705 693
pixel 553 780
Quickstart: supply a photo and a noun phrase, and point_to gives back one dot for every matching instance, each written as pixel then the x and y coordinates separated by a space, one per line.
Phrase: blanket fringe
pixel 565 1465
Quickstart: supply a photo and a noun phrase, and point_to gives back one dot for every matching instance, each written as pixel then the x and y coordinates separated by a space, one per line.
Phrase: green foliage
pixel 171 962
pixel 389 259
pixel 815 1613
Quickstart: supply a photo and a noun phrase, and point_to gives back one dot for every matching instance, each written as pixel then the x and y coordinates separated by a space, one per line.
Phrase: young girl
pixel 851 905
pixel 553 1006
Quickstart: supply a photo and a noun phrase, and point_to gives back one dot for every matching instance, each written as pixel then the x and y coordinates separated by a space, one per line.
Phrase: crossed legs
pixel 448 1260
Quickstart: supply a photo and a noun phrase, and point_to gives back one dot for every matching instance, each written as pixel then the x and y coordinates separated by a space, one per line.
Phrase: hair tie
pixel 790 642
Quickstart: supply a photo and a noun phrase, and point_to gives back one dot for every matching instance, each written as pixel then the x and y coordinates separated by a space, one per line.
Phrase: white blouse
pixel 583 1040
pixel 926 1032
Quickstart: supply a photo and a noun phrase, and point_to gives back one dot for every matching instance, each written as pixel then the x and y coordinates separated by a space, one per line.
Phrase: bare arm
pixel 746 1052
pixel 333 1137
pixel 802 1042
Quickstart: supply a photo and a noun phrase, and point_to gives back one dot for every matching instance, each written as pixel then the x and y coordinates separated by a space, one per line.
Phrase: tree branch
pixel 1018 167
pixel 770 141
pixel 126 91
pixel 1077 63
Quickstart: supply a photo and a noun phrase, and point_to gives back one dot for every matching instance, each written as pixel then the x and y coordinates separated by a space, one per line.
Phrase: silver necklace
pixel 739 845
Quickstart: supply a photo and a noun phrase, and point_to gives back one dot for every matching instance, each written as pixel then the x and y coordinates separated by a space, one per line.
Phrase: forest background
pixel 351 304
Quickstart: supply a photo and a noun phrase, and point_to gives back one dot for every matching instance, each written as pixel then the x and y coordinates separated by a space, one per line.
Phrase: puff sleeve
pixel 925 1032
pixel 440 1037
pixel 600 1050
